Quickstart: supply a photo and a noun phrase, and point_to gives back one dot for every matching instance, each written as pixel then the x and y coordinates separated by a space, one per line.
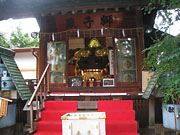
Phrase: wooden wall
pixel 141 107
pixel 75 43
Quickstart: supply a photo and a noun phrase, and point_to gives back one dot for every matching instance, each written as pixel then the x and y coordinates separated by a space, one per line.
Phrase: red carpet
pixel 50 123
pixel 120 117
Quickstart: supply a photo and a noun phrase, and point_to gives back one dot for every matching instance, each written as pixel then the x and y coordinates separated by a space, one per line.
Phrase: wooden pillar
pixel 151 111
pixel 47 24
pixel 31 119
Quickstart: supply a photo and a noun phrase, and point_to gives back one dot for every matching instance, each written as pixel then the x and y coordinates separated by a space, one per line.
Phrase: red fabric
pixel 61 105
pixel 122 134
pixel 120 117
pixel 52 126
pixel 121 126
pixel 51 123
pixel 115 105
pixel 50 115
pixel 45 133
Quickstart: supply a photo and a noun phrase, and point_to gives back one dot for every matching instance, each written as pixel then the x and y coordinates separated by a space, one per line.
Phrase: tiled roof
pixel 7 57
pixel 150 86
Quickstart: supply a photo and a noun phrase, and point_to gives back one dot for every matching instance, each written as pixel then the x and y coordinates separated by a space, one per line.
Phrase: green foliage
pixel 18 40
pixel 164 55
pixel 161 4
pixel 164 8
pixel 164 58
pixel 3 41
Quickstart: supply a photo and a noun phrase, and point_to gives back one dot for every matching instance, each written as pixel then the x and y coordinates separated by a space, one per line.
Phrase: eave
pixel 26 8
pixel 24 50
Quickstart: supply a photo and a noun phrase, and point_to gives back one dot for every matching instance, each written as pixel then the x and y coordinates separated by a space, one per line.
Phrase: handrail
pixel 30 103
pixel 39 83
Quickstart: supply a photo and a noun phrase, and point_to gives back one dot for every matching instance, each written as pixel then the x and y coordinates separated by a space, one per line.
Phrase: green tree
pixel 164 55
pixel 20 40
pixel 3 41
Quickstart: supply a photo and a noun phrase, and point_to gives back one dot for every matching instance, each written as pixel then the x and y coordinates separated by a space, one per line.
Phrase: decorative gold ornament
pixel 127 64
pixel 94 43
pixel 85 53
pixel 92 73
pixel 102 52
pixel 94 49
pixel 81 53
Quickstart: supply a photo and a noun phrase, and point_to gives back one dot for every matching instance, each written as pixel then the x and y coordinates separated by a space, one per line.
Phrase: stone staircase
pixel 120 116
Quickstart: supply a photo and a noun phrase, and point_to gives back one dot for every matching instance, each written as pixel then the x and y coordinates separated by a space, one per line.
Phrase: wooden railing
pixel 42 97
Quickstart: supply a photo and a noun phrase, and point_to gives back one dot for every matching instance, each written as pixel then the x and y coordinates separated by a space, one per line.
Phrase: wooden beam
pixel 47 23
pixel 25 8
pixel 23 50
pixel 27 70
pixel 1 98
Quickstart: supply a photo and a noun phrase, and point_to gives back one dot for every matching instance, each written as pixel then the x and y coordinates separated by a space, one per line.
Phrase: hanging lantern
pixel 4 106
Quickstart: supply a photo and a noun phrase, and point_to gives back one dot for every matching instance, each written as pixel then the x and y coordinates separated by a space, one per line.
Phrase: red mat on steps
pixel 50 123
pixel 120 117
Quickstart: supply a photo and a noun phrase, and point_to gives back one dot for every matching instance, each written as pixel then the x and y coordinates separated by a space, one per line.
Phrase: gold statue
pixel 94 43
pixel 91 62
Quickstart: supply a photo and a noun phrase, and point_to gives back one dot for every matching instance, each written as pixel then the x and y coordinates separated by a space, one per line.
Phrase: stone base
pixel 158 129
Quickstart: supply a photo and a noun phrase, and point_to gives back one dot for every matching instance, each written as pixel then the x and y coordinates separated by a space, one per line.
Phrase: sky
pixel 174 29
pixel 27 25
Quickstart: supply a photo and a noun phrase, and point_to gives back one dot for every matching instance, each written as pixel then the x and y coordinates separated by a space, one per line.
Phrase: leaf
pixel 20 40
pixel 164 57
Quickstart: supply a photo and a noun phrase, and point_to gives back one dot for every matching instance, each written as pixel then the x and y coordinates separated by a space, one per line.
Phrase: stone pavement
pixel 158 129
pixel 20 129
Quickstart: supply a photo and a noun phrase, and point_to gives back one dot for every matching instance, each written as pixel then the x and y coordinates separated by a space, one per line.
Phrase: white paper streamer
pixel 102 31
pixel 78 34
pixel 123 32
pixel 52 36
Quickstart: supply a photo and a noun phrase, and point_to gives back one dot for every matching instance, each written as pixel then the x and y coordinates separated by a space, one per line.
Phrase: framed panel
pixel 75 82
pixel 126 69
pixel 57 77
pixel 108 82
pixel 56 55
